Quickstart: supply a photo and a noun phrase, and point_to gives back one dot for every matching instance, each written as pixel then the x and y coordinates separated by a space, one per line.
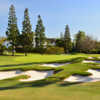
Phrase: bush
pixel 39 50
pixel 2 49
pixel 54 50
pixel 28 49
pixel 94 51
pixel 48 50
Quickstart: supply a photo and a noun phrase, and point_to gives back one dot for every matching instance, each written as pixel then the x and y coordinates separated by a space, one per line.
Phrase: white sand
pixel 90 57
pixel 34 75
pixel 55 64
pixel 9 74
pixel 90 61
pixel 93 78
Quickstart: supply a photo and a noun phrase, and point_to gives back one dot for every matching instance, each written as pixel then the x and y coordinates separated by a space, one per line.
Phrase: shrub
pixel 94 51
pixel 54 50
pixel 39 50
pixel 2 49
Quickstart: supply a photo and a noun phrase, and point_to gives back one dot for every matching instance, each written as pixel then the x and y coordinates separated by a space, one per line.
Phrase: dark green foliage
pixel 39 50
pixel 27 34
pixel 86 44
pixel 12 30
pixel 2 49
pixel 82 73
pixel 60 42
pixel 40 33
pixel 80 36
pixel 54 50
pixel 67 40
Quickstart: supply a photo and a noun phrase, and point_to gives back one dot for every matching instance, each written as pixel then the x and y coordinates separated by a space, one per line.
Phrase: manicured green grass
pixel 37 58
pixel 28 67
pixel 90 91
pixel 53 87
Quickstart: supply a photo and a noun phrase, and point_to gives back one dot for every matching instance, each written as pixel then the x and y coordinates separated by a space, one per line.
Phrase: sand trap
pixel 93 78
pixel 90 57
pixel 90 61
pixel 9 74
pixel 34 75
pixel 55 64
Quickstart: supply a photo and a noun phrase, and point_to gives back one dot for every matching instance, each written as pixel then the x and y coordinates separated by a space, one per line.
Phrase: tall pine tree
pixel 27 34
pixel 39 33
pixel 12 30
pixel 79 41
pixel 67 40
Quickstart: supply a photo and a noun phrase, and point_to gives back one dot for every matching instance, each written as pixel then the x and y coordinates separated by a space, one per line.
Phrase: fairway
pixel 37 58
pixel 53 87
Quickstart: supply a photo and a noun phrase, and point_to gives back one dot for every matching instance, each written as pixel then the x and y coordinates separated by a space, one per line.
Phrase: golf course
pixel 49 50
pixel 53 87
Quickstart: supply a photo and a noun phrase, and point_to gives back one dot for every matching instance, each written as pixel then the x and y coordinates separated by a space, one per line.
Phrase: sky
pixel 56 14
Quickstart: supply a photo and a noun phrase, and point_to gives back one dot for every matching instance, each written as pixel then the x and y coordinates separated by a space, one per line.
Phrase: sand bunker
pixel 9 74
pixel 34 75
pixel 90 57
pixel 90 61
pixel 55 64
pixel 93 78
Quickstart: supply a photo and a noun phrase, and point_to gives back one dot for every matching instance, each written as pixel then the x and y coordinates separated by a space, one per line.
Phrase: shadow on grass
pixel 12 65
pixel 11 55
pixel 40 83
pixel 62 84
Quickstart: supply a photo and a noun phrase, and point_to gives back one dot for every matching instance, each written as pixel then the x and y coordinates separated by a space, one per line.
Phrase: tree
pixel 40 33
pixel 2 47
pixel 79 41
pixel 27 34
pixel 59 42
pixel 89 44
pixel 67 40
pixel 12 30
pixel 2 40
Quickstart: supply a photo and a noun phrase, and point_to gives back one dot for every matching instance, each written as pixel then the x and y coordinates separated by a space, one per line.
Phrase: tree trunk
pixel 13 50
pixel 13 54
pixel 25 53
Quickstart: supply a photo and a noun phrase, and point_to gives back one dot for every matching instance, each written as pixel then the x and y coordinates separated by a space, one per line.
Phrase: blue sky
pixel 78 14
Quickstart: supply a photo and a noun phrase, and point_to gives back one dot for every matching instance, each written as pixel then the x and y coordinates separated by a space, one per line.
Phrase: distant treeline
pixel 36 41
